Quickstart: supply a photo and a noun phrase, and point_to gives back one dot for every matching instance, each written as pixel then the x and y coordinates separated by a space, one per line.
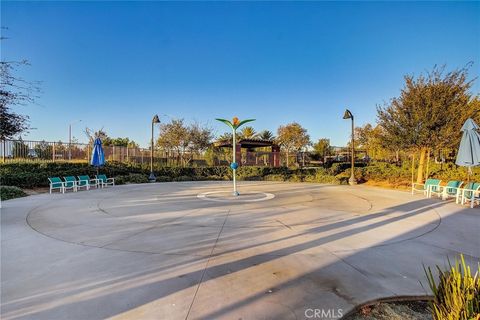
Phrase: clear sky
pixel 115 64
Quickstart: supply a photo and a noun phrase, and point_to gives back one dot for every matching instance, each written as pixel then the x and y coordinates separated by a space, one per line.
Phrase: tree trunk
pixel 287 158
pixel 421 163
pixel 427 171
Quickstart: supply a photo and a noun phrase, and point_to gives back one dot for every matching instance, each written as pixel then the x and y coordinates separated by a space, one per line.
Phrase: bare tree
pixel 14 91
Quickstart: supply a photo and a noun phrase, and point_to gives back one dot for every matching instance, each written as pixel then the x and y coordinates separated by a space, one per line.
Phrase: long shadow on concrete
pixel 345 295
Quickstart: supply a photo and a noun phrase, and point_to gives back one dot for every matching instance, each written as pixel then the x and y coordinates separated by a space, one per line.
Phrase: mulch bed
pixel 404 310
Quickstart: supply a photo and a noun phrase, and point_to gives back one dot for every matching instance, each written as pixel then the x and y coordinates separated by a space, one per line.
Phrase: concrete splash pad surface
pixel 229 197
pixel 161 251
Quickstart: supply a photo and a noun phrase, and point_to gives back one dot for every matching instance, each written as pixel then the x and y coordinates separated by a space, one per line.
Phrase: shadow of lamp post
pixel 352 180
pixel 234 125
pixel 152 177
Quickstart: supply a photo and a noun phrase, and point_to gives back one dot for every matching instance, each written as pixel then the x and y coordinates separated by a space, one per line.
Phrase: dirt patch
pixel 32 192
pixel 408 310
pixel 400 185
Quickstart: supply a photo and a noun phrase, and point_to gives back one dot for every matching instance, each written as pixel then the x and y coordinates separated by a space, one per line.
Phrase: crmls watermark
pixel 311 313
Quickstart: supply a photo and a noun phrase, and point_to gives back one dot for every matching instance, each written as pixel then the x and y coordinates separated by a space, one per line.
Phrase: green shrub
pixel 338 168
pixel 35 174
pixel 184 178
pixel 321 175
pixel 131 178
pixel 119 180
pixel 9 192
pixel 137 178
pixel 164 179
pixel 457 294
pixel 215 178
pixel 274 177
pixel 343 177
pixel 296 178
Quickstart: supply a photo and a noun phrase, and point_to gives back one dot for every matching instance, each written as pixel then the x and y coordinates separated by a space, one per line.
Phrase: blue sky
pixel 115 64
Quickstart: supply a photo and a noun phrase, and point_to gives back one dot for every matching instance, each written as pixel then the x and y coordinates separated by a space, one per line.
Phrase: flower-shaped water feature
pixel 234 125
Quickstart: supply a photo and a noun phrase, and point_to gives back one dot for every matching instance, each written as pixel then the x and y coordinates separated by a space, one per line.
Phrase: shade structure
pixel 469 150
pixel 98 157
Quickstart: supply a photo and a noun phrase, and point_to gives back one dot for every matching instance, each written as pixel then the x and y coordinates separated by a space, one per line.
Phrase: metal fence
pixel 43 151
pixel 24 150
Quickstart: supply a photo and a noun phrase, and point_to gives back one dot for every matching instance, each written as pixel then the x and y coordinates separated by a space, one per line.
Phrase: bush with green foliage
pixel 402 175
pixel 275 177
pixel 321 175
pixel 131 178
pixel 337 168
pixel 35 174
pixel 164 179
pixel 10 192
pixel 137 178
pixel 119 180
pixel 457 294
pixel 184 178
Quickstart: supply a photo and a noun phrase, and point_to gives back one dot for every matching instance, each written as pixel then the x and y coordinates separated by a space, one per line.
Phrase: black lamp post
pixel 152 177
pixel 70 139
pixel 352 180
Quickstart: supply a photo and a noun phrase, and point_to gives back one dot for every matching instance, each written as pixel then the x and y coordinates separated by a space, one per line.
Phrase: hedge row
pixel 402 175
pixel 31 175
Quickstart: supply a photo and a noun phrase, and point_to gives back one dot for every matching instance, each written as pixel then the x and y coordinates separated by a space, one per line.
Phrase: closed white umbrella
pixel 469 150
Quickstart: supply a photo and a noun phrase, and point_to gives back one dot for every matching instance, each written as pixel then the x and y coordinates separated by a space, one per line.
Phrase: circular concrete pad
pixel 228 196
pixel 152 220
pixel 189 251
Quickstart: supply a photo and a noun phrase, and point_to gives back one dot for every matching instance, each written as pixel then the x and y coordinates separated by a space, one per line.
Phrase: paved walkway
pixel 187 251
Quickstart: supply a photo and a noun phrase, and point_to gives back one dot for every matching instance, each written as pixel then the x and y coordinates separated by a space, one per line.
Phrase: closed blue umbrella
pixel 469 151
pixel 98 157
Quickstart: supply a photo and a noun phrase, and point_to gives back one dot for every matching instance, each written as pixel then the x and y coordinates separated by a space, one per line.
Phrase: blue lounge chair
pixel 104 181
pixel 430 185
pixel 70 183
pixel 471 193
pixel 87 183
pixel 56 183
pixel 451 190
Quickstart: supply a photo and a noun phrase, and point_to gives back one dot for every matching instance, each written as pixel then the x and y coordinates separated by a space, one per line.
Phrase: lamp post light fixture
pixel 70 139
pixel 352 180
pixel 234 125
pixel 152 177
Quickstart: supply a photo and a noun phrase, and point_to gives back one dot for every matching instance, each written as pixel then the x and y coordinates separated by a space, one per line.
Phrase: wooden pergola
pixel 251 156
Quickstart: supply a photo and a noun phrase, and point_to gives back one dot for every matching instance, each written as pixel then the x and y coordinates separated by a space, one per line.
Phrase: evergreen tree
pixel 429 112
pixel 292 137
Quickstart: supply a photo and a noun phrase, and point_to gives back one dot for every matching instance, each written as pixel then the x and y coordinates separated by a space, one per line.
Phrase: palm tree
pixel 248 133
pixel 227 136
pixel 266 135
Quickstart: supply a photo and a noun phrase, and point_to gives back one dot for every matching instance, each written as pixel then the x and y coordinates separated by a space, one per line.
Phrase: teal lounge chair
pixel 471 193
pixel 430 185
pixel 104 181
pixel 70 183
pixel 56 183
pixel 87 183
pixel 451 190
